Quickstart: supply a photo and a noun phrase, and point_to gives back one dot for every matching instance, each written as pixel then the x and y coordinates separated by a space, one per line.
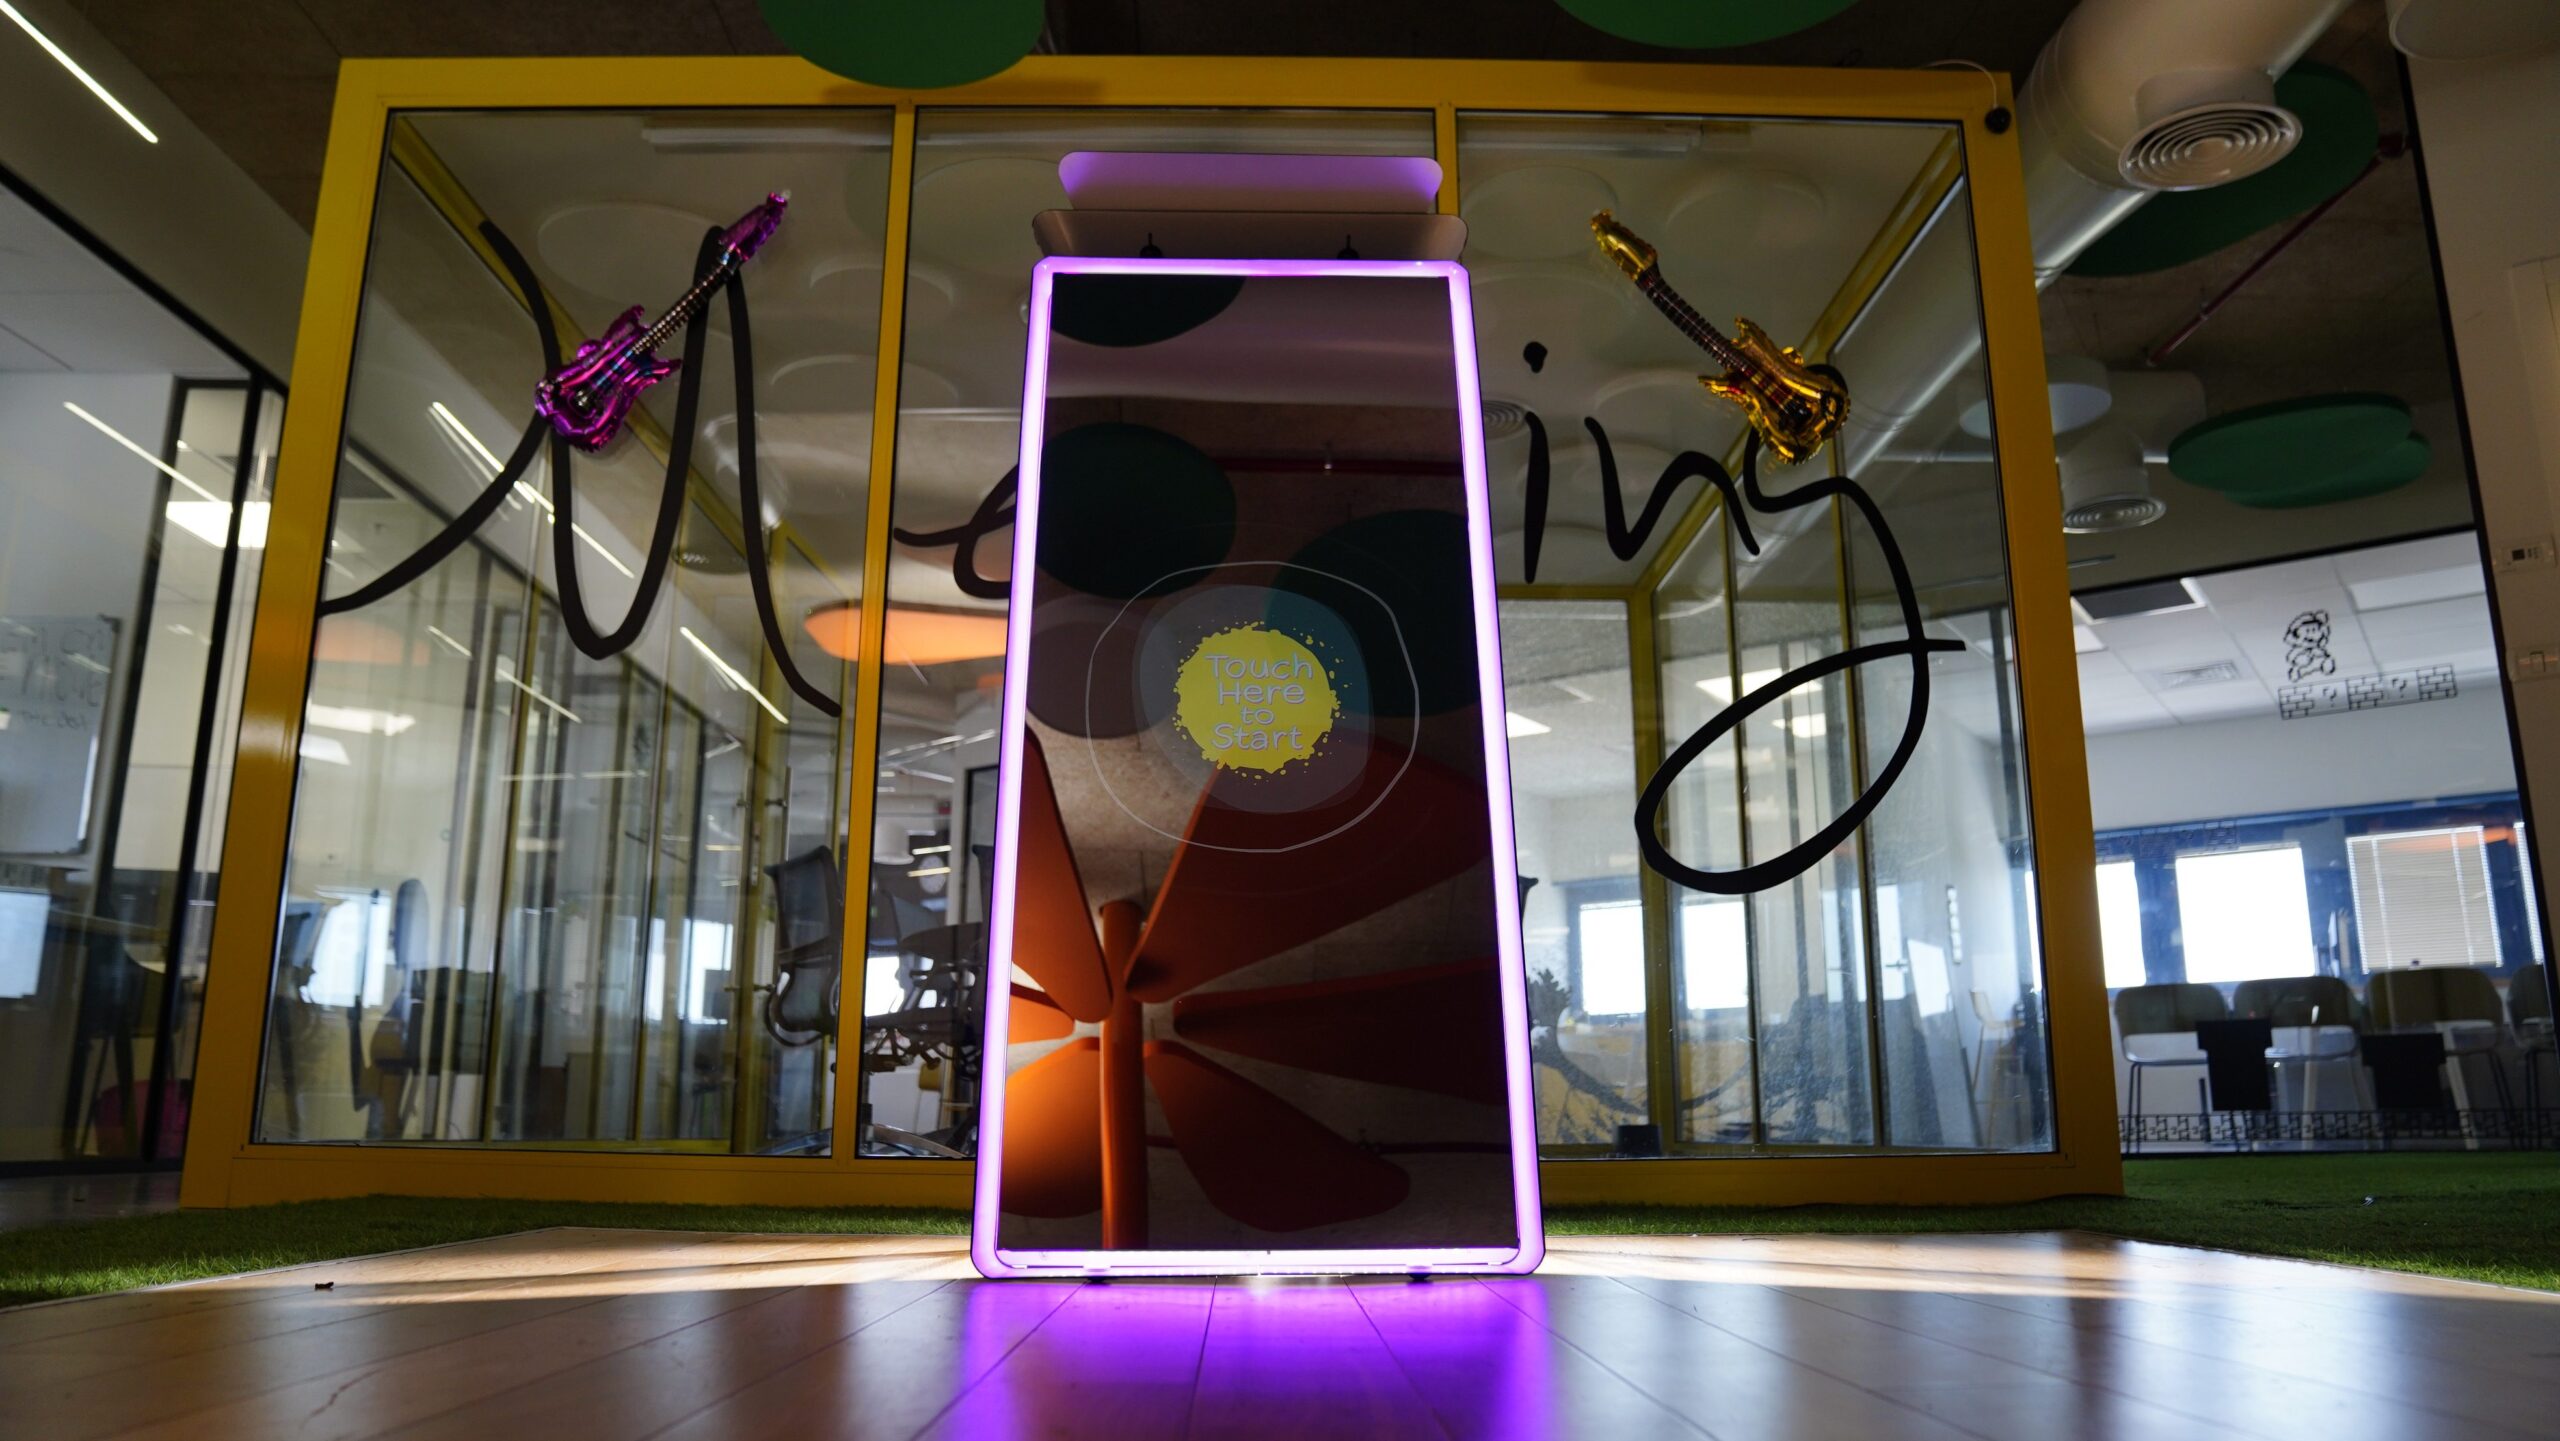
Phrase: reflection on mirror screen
pixel 1257 987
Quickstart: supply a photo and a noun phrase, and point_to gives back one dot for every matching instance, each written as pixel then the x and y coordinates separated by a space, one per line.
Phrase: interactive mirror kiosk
pixel 1256 986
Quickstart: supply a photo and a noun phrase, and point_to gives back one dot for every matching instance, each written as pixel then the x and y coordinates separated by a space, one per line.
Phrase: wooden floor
pixel 560 1335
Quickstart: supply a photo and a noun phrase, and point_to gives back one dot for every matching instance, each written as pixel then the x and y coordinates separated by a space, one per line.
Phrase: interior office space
pixel 398 799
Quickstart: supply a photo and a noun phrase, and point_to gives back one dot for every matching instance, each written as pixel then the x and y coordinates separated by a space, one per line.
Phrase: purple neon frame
pixel 1497 769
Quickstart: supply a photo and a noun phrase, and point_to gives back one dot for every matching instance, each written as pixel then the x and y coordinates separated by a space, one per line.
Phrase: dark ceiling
pixel 2352 306
pixel 256 75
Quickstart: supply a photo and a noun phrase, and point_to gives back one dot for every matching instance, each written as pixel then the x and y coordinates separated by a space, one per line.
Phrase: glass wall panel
pixel 980 177
pixel 1572 724
pixel 130 465
pixel 1873 988
pixel 1717 1035
pixel 537 895
pixel 2344 855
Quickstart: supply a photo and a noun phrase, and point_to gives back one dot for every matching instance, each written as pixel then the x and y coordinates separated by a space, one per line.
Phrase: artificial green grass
pixel 2481 1217
pixel 2472 1216
pixel 87 1257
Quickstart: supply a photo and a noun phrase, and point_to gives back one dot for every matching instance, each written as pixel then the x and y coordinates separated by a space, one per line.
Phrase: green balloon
pixel 2388 471
pixel 2267 449
pixel 907 44
pixel 1702 24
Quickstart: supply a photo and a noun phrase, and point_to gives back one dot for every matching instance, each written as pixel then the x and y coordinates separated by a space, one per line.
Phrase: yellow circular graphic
pixel 1254 699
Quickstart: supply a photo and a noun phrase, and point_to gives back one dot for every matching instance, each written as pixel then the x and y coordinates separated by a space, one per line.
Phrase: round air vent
pixel 2104 484
pixel 1504 418
pixel 2209 145
pixel 2112 512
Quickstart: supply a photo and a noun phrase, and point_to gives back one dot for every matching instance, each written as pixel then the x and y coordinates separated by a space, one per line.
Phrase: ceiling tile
pixel 125 332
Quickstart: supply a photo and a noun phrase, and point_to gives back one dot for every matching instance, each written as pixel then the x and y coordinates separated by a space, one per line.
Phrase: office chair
pixel 2458 1002
pixel 2529 1006
pixel 806 997
pixel 2323 1009
pixel 2156 1026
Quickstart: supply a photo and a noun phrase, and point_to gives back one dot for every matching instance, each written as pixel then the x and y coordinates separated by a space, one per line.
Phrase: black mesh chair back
pixel 808 947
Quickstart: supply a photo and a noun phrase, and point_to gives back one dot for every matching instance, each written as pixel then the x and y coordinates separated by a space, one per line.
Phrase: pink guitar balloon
pixel 587 399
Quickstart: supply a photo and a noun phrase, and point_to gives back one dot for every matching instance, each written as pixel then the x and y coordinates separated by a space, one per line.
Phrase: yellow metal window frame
pixel 226 1165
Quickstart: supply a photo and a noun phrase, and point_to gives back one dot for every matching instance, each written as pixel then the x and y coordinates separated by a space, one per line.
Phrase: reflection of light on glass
pixel 22 923
pixel 326 749
pixel 210 521
pixel 730 674
pixel 556 707
pixel 2120 925
pixel 90 82
pixel 881 992
pixel 1516 725
pixel 354 937
pixel 1721 687
pixel 1808 727
pixel 453 425
pixel 2244 915
pixel 457 647
pixel 1610 955
pixel 360 721
pixel 119 437
pixel 1715 955
pixel 706 959
pixel 931 871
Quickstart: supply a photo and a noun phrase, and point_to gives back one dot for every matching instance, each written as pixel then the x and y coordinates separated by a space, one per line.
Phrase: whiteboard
pixel 55 675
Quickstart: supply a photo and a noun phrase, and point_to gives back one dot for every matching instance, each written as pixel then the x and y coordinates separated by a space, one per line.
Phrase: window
pixel 2245 915
pixel 2532 892
pixel 2422 898
pixel 1715 955
pixel 2120 925
pixel 1609 958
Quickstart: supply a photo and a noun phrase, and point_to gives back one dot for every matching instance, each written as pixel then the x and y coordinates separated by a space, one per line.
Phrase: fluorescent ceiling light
pixel 210 521
pixel 453 425
pixel 729 673
pixel 358 720
pixel 1516 725
pixel 563 711
pixel 1808 727
pixel 1721 687
pixel 2389 591
pixel 83 76
pixel 326 749
pixel 2084 639
pixel 119 437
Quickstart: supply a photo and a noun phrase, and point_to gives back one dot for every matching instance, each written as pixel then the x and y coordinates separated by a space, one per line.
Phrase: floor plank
pixel 1300 1358
pixel 644 1336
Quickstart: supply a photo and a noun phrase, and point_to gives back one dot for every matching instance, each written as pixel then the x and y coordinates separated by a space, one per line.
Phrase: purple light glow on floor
pixel 1468 1358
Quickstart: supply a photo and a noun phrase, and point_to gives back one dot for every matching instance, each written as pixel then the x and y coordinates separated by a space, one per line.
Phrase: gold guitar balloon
pixel 1794 407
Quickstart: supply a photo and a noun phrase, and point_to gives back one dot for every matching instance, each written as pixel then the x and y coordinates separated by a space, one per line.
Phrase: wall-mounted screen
pixel 1255 994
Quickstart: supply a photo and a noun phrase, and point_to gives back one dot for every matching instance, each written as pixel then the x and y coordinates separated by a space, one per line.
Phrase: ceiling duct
pixel 2129 98
pixel 2473 29
pixel 2104 484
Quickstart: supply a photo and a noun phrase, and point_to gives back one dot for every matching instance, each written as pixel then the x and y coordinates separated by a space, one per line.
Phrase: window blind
pixel 2422 898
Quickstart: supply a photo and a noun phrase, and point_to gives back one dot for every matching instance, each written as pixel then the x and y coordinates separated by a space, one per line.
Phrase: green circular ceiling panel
pixel 2390 470
pixel 2339 134
pixel 907 44
pixel 1702 24
pixel 2283 446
